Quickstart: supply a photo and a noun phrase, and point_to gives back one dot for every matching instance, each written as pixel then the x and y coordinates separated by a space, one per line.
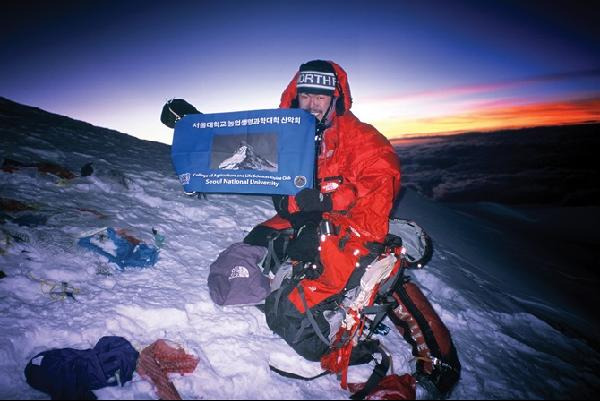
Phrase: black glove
pixel 174 110
pixel 301 219
pixel 304 247
pixel 297 219
pixel 312 200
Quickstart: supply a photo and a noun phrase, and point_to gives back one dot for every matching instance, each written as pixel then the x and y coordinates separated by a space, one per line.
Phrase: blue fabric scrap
pixel 124 253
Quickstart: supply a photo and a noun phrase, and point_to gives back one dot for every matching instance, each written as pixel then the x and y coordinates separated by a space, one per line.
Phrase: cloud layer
pixel 538 166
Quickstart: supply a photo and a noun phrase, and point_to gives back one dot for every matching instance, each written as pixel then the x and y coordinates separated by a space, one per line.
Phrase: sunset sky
pixel 414 67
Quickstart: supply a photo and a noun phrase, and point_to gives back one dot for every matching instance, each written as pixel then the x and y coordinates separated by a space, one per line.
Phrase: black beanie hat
pixel 317 77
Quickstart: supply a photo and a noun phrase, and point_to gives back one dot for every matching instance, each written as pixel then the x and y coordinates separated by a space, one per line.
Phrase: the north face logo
pixel 239 272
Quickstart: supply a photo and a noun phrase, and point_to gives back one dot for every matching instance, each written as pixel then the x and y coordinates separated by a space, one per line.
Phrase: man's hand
pixel 174 110
pixel 312 200
pixel 305 246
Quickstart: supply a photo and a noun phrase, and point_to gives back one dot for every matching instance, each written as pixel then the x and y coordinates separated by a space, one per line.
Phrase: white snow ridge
pixel 508 338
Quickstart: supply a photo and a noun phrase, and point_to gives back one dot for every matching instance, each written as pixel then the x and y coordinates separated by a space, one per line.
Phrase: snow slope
pixel 506 350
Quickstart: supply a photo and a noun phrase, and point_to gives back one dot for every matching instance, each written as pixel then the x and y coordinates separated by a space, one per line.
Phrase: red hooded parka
pixel 359 168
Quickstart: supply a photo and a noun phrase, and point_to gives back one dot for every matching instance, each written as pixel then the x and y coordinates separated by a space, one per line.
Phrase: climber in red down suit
pixel 358 175
pixel 359 178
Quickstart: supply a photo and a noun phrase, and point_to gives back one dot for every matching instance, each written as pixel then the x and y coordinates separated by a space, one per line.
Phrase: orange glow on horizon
pixel 509 117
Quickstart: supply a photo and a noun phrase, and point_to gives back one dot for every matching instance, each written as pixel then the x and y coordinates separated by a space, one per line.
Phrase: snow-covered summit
pixel 506 345
pixel 245 158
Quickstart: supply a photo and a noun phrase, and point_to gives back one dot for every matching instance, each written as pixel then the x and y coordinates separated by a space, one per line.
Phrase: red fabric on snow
pixel 158 360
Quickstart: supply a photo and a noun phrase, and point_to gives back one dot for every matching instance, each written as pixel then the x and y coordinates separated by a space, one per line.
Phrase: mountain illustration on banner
pixel 246 158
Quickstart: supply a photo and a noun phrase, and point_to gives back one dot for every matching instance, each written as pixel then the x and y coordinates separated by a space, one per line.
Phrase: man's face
pixel 317 105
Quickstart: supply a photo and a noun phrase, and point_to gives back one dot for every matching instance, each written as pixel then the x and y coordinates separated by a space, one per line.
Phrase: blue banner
pixel 258 151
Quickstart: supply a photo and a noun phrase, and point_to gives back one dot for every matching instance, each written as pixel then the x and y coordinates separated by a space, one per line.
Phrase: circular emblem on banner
pixel 300 181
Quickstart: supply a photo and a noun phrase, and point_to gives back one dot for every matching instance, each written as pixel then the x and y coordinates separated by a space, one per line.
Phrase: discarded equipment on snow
pixel 120 248
pixel 158 360
pixel 71 374
pixel 235 277
pixel 10 166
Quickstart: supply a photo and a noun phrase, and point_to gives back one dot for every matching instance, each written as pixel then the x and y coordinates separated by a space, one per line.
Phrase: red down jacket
pixel 360 169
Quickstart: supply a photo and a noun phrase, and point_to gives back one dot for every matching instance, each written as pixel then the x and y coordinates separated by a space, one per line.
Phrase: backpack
pixel 339 331
pixel 332 325
pixel 71 374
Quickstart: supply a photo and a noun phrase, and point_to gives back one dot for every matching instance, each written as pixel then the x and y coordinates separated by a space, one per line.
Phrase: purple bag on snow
pixel 235 278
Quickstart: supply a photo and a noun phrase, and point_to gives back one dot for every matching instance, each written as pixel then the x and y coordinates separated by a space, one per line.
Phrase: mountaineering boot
pixel 425 389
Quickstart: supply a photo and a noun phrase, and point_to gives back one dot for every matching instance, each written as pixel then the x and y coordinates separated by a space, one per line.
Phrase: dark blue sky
pixel 414 67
